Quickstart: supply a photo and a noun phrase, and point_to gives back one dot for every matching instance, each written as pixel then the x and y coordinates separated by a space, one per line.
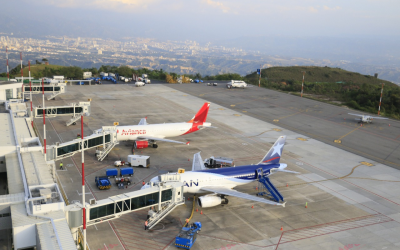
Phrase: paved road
pixel 379 141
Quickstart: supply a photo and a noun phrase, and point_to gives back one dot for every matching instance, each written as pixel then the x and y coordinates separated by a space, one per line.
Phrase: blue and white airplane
pixel 221 181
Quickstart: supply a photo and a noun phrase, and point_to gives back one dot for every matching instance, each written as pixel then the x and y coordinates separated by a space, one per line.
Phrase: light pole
pixel 380 101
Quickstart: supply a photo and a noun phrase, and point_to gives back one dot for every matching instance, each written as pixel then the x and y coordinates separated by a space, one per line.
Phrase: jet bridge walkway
pixel 76 110
pixel 163 197
pixel 53 89
pixel 105 138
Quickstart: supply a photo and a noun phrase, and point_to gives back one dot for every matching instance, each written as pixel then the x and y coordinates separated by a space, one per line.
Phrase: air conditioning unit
pixel 92 201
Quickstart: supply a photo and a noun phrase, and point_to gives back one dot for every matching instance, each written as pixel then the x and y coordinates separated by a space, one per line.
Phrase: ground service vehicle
pixel 119 163
pixel 122 182
pixel 217 162
pixel 112 172
pixel 187 236
pixel 236 84
pixel 126 171
pixel 139 161
pixel 139 84
pixel 102 182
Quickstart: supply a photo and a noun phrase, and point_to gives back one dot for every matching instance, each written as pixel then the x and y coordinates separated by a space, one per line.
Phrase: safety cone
pixel 252 206
pixel 188 198
pixel 188 159
pixel 197 209
pixel 389 124
pixel 281 228
pixel 256 188
pixel 287 185
pixel 306 204
pixel 361 124
pixel 201 212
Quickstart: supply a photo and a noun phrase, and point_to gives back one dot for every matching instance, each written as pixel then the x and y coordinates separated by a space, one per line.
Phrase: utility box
pixel 87 75
pixel 139 161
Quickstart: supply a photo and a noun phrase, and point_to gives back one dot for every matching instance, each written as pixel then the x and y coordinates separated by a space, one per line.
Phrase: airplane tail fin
pixel 274 154
pixel 201 115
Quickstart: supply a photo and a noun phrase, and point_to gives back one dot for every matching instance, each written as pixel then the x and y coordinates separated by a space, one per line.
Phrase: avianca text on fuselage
pixel 132 132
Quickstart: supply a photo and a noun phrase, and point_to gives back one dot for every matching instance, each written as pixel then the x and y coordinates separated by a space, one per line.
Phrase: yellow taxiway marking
pixel 367 163
pixel 291 114
pixel 237 115
pixel 233 105
pixel 185 95
pixel 277 129
pixel 221 109
pixel 349 133
pixel 244 111
pixel 337 141
pixel 276 120
pixel 301 139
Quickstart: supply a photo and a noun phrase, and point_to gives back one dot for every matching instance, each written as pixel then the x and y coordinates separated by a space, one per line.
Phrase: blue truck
pixel 126 171
pixel 102 182
pixel 112 172
pixel 187 236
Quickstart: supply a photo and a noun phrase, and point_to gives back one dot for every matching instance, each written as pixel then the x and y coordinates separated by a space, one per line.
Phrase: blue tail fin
pixel 274 154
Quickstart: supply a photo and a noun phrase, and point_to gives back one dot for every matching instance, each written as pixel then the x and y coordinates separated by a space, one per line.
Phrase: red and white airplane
pixel 145 134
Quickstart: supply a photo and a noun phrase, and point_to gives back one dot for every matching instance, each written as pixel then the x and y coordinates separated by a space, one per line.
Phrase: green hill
pixel 333 85
pixel 316 75
pixel 36 68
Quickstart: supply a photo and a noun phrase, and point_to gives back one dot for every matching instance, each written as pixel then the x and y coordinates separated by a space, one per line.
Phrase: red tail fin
pixel 201 115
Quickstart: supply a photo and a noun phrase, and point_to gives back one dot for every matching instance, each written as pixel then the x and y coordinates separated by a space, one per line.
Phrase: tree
pixel 197 76
pixel 38 62
pixel 45 60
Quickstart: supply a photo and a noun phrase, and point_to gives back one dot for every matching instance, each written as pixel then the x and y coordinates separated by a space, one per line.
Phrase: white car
pixel 139 84
pixel 236 84
pixel 215 84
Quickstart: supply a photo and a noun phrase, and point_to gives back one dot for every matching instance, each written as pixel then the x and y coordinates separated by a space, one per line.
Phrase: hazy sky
pixel 223 19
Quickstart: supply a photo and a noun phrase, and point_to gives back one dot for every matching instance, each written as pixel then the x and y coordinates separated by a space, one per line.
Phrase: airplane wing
pixel 198 163
pixel 355 114
pixel 373 117
pixel 145 137
pixel 143 121
pixel 231 192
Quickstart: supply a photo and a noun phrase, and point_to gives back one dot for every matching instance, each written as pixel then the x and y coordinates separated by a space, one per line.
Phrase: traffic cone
pixel 306 204
pixel 188 198
pixel 197 209
pixel 188 159
pixel 287 185
pixel 252 206
pixel 201 212
pixel 389 124
pixel 256 188
pixel 281 228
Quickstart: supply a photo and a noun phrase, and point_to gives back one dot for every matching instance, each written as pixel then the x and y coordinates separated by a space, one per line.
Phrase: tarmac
pixel 353 201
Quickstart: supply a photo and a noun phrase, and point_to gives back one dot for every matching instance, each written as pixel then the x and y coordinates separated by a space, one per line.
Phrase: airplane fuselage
pixel 128 133
pixel 230 177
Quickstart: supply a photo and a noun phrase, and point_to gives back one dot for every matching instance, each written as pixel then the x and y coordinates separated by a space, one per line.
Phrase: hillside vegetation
pixel 352 89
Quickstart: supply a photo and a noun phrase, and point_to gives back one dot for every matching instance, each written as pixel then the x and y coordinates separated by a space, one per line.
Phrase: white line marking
pixel 105 246
pixel 81 193
pixel 72 180
pixel 95 226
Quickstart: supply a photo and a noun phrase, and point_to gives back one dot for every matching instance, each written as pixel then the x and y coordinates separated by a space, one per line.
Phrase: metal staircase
pixel 101 154
pixel 165 210
pixel 75 118
pixel 53 95
pixel 266 182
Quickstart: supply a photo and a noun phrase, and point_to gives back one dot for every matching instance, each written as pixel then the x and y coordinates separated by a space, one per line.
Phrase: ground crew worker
pixel 78 136
pixel 143 183
pixel 187 222
pixel 145 225
pixel 61 166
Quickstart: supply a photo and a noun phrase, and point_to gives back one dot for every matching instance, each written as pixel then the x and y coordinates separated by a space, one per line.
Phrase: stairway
pixel 102 154
pixel 74 119
pixel 53 95
pixel 271 188
pixel 162 213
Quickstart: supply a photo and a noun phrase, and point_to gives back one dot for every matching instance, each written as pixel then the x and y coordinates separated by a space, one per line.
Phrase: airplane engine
pixel 141 144
pixel 211 201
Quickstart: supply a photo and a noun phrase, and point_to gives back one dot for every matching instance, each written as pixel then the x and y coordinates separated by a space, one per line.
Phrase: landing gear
pixel 74 123
pixel 155 145
pixel 224 201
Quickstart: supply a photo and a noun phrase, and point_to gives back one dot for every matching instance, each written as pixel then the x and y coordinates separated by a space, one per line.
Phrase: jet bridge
pixel 105 138
pixel 163 197
pixel 54 89
pixel 76 110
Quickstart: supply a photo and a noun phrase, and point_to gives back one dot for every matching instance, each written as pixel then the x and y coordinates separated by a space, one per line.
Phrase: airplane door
pixel 259 173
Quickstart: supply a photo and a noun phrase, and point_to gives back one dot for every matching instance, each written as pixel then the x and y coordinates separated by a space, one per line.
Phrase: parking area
pixel 335 202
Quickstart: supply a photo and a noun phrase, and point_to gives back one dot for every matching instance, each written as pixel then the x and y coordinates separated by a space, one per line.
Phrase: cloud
pixel 218 5
pixel 312 9
pixel 332 8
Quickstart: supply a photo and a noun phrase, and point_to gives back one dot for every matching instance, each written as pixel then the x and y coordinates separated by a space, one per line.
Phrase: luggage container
pixel 126 171
pixel 112 172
